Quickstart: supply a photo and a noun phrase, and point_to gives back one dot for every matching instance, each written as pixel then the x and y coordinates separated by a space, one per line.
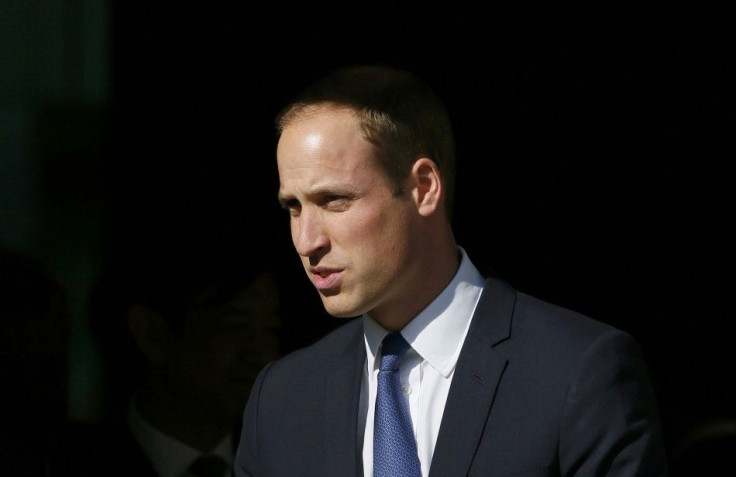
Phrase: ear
pixel 427 190
pixel 151 333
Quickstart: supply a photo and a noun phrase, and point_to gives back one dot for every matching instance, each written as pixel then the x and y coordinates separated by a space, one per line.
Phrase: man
pixel 496 382
pixel 198 324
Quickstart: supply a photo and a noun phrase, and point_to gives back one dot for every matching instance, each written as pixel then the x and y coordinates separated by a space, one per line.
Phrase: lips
pixel 325 278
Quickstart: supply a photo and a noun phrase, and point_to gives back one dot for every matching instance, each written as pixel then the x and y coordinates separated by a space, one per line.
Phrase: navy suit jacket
pixel 538 390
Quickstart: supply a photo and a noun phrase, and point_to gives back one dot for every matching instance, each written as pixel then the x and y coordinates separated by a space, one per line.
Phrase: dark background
pixel 595 145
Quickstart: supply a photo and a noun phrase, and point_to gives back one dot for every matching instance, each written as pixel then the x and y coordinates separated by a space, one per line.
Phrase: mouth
pixel 325 279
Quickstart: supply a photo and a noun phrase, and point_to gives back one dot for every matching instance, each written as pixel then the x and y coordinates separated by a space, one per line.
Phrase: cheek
pixel 373 225
pixel 381 243
pixel 391 227
pixel 293 230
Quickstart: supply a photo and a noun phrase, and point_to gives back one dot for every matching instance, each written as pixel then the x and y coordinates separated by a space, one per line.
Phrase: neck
pixel 191 424
pixel 435 271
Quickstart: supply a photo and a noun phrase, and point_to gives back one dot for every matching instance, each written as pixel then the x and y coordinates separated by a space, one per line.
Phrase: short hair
pixel 398 113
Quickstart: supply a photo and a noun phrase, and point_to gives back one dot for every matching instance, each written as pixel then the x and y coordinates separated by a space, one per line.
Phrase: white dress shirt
pixel 436 336
pixel 170 457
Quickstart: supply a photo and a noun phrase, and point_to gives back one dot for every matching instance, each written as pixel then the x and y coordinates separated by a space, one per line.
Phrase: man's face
pixel 215 359
pixel 354 235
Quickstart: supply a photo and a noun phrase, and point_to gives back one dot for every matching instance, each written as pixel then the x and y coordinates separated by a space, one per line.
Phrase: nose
pixel 308 233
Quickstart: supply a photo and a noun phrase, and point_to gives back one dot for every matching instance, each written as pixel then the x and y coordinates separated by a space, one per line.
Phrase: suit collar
pixel 437 332
pixel 479 370
pixel 343 395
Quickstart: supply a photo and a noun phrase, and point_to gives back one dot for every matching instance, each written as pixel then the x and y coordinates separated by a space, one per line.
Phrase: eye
pixel 292 206
pixel 332 198
pixel 336 203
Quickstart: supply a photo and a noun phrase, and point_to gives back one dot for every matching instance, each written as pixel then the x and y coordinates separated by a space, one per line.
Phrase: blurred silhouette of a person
pixel 33 363
pixel 184 331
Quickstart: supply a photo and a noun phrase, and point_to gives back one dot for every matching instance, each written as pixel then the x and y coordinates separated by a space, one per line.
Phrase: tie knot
pixel 394 347
pixel 209 466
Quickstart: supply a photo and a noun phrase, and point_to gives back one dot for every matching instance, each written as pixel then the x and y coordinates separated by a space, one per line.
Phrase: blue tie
pixel 394 447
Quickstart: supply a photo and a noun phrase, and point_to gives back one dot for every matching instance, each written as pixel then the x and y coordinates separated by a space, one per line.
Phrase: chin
pixel 340 309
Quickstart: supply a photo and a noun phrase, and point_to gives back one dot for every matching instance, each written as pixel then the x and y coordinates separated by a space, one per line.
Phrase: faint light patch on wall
pixel 17 206
pixel 54 93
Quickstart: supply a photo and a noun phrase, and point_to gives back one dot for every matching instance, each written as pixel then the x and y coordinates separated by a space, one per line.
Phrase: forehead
pixel 321 144
pixel 336 121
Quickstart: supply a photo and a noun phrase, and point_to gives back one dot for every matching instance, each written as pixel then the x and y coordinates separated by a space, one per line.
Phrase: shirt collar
pixel 169 456
pixel 438 331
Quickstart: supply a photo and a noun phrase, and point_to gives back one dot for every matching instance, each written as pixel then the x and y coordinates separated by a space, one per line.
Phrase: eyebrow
pixel 284 198
pixel 327 189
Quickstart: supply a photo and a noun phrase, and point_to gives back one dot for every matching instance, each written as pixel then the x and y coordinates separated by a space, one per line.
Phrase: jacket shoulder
pixel 325 350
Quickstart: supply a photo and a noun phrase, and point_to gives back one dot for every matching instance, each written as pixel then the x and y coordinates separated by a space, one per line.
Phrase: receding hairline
pixel 302 111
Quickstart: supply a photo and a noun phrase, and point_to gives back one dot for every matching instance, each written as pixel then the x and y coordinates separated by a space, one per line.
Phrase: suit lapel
pixel 477 374
pixel 342 392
